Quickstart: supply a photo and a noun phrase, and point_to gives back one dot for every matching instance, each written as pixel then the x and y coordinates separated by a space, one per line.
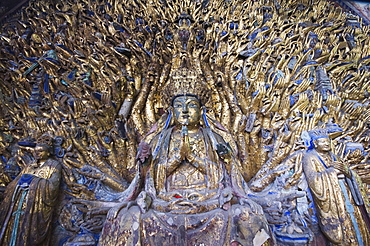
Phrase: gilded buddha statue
pixel 188 189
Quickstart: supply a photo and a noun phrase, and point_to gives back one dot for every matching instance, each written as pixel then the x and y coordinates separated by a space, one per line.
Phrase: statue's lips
pixel 326 148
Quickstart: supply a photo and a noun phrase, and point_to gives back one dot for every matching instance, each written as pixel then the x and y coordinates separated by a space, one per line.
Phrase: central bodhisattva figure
pixel 188 189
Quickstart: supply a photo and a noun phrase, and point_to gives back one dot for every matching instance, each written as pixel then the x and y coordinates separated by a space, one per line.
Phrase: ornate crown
pixel 185 81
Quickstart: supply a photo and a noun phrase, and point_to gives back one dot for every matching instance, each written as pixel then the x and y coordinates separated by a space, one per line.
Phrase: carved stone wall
pixel 91 75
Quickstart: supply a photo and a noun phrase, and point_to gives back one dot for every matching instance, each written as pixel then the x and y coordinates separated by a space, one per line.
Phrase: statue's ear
pixel 170 110
pixel 314 143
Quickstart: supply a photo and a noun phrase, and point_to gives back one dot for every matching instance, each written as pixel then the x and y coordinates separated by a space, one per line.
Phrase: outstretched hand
pixel 91 172
pixel 113 212
pixel 341 168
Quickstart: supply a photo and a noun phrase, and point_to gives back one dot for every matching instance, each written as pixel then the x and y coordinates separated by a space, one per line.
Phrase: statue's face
pixel 41 152
pixel 322 144
pixel 187 110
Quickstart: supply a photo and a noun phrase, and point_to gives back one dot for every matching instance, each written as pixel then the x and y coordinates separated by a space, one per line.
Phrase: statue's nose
pixel 185 109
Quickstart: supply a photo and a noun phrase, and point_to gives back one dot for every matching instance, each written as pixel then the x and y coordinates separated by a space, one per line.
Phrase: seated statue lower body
pixel 236 226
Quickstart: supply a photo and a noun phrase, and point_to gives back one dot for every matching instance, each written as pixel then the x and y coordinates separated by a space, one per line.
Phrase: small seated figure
pixel 188 189
pixel 27 209
pixel 341 208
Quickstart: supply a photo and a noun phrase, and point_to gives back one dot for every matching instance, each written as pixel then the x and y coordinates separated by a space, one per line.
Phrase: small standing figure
pixel 27 209
pixel 336 190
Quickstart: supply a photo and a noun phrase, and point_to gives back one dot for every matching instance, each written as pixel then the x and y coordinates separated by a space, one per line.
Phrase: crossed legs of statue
pixel 218 227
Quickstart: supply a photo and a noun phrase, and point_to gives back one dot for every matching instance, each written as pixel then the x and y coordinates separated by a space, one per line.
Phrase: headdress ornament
pixel 185 81
pixel 318 133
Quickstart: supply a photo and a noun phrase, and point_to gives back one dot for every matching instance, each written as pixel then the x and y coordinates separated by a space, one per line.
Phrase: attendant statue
pixel 336 190
pixel 188 189
pixel 27 209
